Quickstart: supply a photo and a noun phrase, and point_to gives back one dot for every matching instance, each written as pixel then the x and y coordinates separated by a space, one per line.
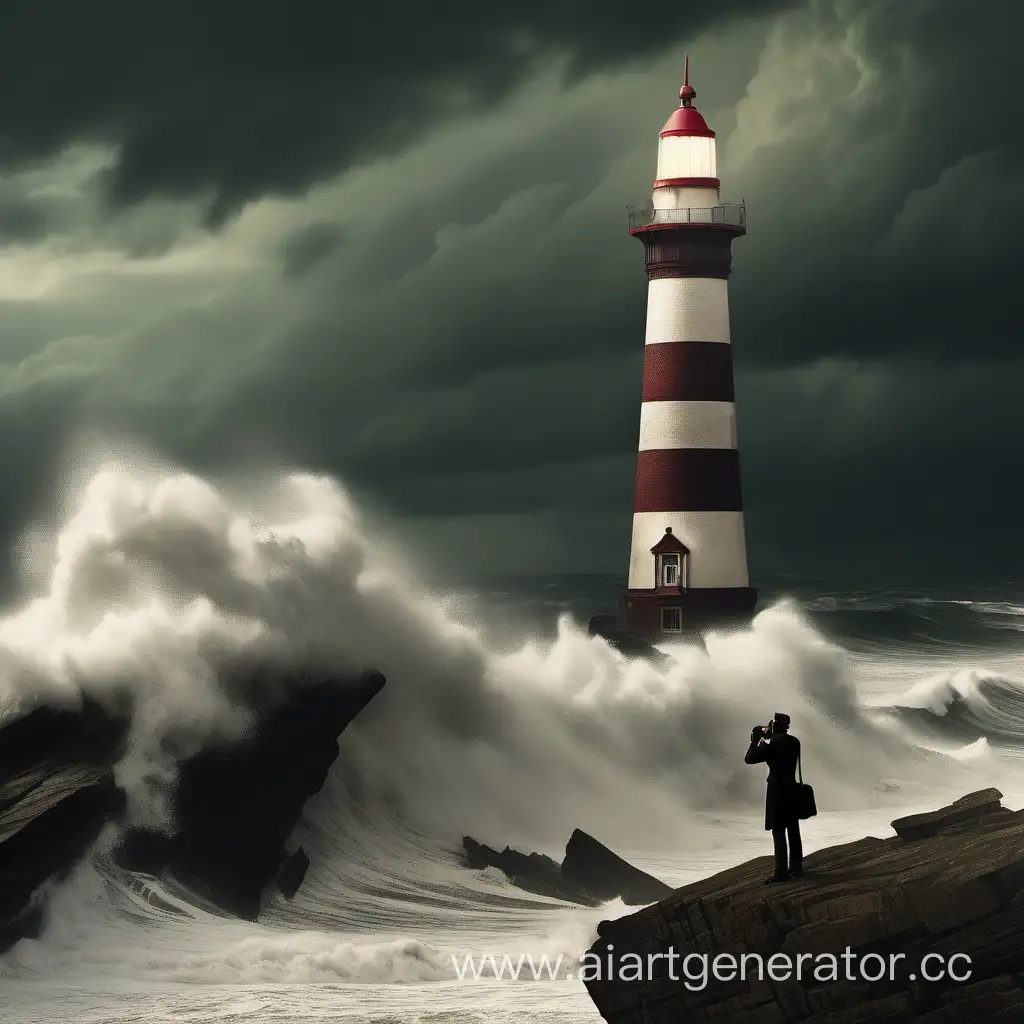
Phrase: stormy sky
pixel 390 243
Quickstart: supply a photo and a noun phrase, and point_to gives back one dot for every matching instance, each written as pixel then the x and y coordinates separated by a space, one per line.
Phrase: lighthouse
pixel 688 561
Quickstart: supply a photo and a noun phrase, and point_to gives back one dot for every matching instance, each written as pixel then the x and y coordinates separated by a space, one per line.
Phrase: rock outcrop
pixel 595 869
pixel 294 871
pixel 606 626
pixel 956 887
pixel 589 874
pixel 56 792
pixel 235 806
pixel 967 808
pixel 532 872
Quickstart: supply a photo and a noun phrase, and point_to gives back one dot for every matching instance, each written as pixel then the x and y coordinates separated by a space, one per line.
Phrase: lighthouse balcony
pixel 732 216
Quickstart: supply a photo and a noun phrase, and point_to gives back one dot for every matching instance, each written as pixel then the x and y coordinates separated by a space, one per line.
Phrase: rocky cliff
pixel 234 806
pixel 949 882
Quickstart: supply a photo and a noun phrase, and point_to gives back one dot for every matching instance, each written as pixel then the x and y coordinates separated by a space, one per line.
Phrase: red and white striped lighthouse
pixel 688 563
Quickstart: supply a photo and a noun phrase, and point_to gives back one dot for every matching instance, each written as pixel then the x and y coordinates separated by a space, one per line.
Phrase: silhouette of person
pixel 776 747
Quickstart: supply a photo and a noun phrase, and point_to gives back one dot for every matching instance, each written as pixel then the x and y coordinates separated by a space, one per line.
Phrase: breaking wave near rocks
pixel 160 583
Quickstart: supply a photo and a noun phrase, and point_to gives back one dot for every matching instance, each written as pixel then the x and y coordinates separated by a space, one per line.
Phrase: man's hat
pixel 781 719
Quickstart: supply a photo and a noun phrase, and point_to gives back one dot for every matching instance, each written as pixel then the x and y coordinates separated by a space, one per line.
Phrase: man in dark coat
pixel 780 751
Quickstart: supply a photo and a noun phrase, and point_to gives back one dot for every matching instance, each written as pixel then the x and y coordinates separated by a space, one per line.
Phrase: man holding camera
pixel 773 745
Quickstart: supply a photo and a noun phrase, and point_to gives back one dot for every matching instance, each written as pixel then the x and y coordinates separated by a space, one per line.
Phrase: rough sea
pixel 501 719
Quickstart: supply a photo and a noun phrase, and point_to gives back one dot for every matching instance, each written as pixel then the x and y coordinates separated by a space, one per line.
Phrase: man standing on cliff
pixel 774 745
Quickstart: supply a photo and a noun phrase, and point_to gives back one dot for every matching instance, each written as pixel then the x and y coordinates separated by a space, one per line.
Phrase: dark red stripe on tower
pixel 688 480
pixel 688 371
pixel 688 183
pixel 688 250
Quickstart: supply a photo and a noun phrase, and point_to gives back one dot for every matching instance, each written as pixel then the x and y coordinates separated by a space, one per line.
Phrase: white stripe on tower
pixel 669 424
pixel 687 309
pixel 716 540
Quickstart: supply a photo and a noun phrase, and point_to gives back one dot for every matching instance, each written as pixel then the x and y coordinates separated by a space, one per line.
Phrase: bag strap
pixel 799 769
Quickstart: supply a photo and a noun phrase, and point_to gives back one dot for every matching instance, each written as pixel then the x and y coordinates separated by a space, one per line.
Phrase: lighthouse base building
pixel 688 560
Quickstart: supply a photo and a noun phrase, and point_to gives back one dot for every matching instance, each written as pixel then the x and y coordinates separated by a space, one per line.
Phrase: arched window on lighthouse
pixel 670 570
pixel 671 556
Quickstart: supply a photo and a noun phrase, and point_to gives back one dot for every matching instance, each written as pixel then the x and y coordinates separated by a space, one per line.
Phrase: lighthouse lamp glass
pixel 686 156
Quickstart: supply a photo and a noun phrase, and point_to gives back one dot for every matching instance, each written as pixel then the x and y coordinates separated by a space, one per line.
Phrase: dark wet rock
pixel 234 806
pixel 45 835
pixel 58 736
pixel 631 646
pixel 590 874
pixel 293 872
pixel 57 790
pixel 958 890
pixel 532 872
pixel 594 868
pixel 970 808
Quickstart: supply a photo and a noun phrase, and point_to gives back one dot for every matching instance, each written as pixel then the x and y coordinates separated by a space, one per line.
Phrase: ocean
pixel 501 719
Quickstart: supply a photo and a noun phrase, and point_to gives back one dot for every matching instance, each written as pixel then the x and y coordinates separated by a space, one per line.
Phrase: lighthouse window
pixel 671 620
pixel 669 570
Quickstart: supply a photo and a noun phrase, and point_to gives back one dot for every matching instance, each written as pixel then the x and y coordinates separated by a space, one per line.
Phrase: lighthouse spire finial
pixel 687 92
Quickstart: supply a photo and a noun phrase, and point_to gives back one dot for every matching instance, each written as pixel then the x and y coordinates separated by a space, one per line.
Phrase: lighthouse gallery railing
pixel 728 214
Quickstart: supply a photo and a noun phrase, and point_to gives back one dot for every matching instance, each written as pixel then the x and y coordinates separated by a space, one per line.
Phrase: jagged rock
pixel 292 874
pixel 533 872
pixel 57 791
pixel 590 874
pixel 968 808
pixel 594 868
pixel 236 806
pixel 51 736
pixel 45 835
pixel 625 643
pixel 960 890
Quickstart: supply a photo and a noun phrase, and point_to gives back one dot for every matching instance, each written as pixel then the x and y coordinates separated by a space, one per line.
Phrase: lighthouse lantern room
pixel 688 563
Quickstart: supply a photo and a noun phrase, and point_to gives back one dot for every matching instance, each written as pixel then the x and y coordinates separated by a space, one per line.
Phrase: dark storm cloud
pixel 458 332
pixel 497 348
pixel 22 220
pixel 305 248
pixel 903 466
pixel 241 97
pixel 35 424
pixel 573 486
pixel 895 224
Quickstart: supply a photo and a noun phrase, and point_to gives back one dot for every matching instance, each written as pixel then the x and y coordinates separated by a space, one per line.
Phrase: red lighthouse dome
pixel 687 119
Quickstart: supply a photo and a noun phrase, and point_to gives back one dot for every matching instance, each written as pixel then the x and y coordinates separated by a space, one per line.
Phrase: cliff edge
pixel 950 882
